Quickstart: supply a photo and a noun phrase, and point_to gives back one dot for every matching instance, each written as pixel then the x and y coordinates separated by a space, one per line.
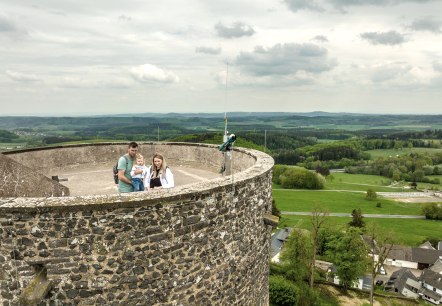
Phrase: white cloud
pixel 124 18
pixel 296 5
pixel 75 82
pixel 390 71
pixel 152 73
pixel 93 82
pixel 342 5
pixel 384 38
pixel 320 38
pixel 22 77
pixel 237 29
pixel 430 24
pixel 6 25
pixel 437 66
pixel 285 59
pixel 208 50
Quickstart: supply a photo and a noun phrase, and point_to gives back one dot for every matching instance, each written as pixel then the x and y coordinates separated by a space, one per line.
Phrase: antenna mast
pixel 225 105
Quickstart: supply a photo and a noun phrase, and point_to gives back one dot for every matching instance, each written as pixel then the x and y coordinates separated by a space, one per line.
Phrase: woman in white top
pixel 159 174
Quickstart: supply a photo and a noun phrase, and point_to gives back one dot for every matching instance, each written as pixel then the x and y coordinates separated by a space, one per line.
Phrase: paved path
pixel 303 213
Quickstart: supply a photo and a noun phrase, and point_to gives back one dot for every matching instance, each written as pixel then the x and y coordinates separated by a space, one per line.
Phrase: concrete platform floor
pixel 98 179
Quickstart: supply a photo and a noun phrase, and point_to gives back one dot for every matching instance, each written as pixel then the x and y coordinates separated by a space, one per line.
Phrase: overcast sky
pixel 107 56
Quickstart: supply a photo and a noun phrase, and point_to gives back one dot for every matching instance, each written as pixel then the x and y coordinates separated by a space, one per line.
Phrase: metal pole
pixel 265 140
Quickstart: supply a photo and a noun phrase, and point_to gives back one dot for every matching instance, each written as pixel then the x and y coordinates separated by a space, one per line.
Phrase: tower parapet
pixel 199 244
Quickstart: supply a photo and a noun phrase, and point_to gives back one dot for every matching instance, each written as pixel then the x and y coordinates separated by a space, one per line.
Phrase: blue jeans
pixel 138 184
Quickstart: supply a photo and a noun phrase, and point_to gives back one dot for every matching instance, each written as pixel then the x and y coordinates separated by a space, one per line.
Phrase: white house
pixel 401 256
pixel 431 286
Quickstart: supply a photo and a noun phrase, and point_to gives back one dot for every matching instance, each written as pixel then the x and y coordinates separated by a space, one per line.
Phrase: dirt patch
pixel 355 298
pixel 418 200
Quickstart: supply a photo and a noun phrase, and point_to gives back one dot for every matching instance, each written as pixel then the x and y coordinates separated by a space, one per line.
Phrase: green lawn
pixel 339 202
pixel 404 231
pixel 405 151
pixel 436 176
pixel 360 179
pixel 362 182
pixel 13 145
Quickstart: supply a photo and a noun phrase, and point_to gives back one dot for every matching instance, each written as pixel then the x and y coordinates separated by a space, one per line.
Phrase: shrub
pixel 432 211
pixel 278 170
pixel 371 194
pixel 282 292
pixel 301 178
pixel 357 218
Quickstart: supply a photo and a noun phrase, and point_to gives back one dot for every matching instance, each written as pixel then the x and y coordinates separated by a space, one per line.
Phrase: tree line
pixel 414 167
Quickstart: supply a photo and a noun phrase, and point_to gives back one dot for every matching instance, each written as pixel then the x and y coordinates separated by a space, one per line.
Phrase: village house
pixel 431 286
pixel 277 241
pixel 404 282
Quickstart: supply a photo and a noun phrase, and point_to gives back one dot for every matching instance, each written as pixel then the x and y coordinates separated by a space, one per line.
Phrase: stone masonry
pixel 201 244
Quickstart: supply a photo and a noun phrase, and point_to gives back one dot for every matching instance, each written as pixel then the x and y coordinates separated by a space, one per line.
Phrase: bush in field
pixel 433 211
pixel 357 218
pixel 278 170
pixel 282 292
pixel 301 178
pixel 371 194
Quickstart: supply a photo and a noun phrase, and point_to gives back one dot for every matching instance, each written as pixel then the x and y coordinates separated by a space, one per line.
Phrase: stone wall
pixel 197 155
pixel 201 244
pixel 17 180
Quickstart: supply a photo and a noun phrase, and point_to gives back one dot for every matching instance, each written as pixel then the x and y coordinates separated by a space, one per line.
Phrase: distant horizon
pixel 145 114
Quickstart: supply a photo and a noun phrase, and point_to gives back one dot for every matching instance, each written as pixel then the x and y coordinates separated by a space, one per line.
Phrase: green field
pixel 403 231
pixel 362 182
pixel 339 202
pixel 348 191
pixel 11 145
pixel 362 179
pixel 405 151
pixel 436 176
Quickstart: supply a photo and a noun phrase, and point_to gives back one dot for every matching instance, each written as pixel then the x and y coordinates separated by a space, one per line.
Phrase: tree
pixel 349 253
pixel 357 218
pixel 282 292
pixel 297 255
pixel 322 169
pixel 317 219
pixel 326 235
pixel 371 194
pixel 275 210
pixel 380 246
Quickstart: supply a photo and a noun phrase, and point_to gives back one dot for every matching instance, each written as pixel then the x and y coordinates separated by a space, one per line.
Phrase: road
pixel 302 213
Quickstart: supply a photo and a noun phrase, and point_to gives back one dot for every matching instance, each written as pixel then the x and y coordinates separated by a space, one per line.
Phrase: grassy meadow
pixel 374 154
pixel 340 202
pixel 361 182
pixel 346 192
pixel 404 231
